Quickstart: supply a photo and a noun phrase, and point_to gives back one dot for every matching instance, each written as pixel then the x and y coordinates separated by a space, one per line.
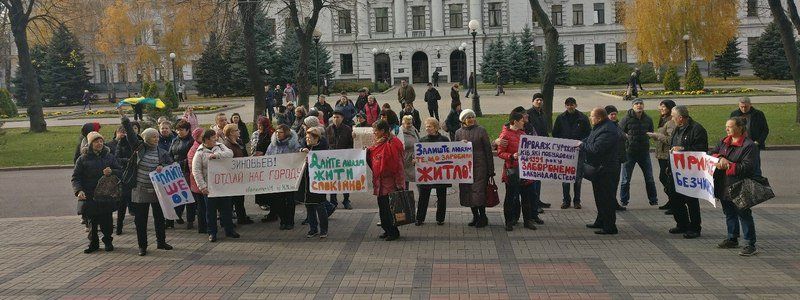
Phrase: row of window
pixel 599 14
pixel 418 18
pixel 579 54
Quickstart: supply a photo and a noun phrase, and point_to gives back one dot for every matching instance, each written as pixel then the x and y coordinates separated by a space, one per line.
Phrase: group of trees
pixel 516 60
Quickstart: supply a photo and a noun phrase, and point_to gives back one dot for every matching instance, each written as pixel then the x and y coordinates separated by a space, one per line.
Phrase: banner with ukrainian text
pixel 338 171
pixel 443 162
pixel 693 174
pixel 546 158
pixel 255 174
pixel 172 189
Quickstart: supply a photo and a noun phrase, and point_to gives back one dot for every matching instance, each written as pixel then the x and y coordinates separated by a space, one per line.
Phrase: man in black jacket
pixel 757 127
pixel 536 115
pixel 602 149
pixel 571 124
pixel 432 97
pixel 340 136
pixel 635 126
pixel 688 136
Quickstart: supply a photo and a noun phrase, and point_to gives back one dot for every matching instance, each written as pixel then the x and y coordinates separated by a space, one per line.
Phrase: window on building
pixel 382 19
pixel 557 15
pixel 271 26
pixel 622 52
pixel 345 63
pixel 752 8
pixel 495 14
pixel 344 22
pixel 619 11
pixel 418 17
pixel 456 15
pixel 577 14
pixel 599 13
pixel 122 73
pixel 578 55
pixel 599 54
pixel 103 73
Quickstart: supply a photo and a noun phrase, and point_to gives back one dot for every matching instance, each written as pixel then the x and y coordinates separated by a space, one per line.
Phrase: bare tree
pixel 789 46
pixel 551 59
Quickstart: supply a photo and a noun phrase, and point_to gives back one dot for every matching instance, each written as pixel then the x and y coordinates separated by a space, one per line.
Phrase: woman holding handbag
pixel 737 158
pixel 94 163
pixel 514 185
pixel 385 158
pixel 474 195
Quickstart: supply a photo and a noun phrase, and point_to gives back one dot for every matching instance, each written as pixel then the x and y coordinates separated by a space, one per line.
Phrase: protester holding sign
pixel 211 149
pixel 737 161
pixel 688 136
pixel 95 162
pixel 233 141
pixel 200 199
pixel 474 195
pixel 148 157
pixel 432 129
pixel 317 214
pixel 340 136
pixel 385 158
pixel 515 187
pixel 602 150
pixel 262 139
pixel 410 137
pixel 179 150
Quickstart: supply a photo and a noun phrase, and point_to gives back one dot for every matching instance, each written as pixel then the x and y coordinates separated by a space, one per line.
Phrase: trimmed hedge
pixel 612 74
pixel 353 86
pixel 671 80
pixel 694 81
pixel 7 107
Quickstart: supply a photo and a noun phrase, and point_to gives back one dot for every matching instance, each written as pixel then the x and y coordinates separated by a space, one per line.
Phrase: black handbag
pixel 129 174
pixel 750 192
pixel 590 172
pixel 402 207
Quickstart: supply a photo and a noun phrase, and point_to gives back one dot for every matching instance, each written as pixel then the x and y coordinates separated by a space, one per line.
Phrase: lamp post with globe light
pixel 686 49
pixel 374 61
pixel 174 77
pixel 461 48
pixel 476 100
pixel 317 36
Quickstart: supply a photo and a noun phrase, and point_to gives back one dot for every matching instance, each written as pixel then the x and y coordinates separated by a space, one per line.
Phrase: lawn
pixel 56 147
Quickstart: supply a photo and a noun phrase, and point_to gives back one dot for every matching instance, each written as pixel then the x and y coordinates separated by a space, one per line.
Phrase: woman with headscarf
pixel 147 157
pixel 473 194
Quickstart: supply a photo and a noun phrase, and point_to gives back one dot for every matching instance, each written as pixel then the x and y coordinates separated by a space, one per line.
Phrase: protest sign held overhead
pixel 693 174
pixel 545 158
pixel 338 171
pixel 255 175
pixel 172 189
pixel 443 162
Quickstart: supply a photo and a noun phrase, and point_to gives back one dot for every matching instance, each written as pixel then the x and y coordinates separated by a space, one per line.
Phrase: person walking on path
pixel 211 149
pixel 340 136
pixel 385 158
pixel 455 97
pixel 432 97
pixel 433 136
pixel 181 92
pixel 270 101
pixel 602 152
pixel 473 195
pixel 499 78
pixel 757 127
pixel 688 136
pixel 289 93
pixel 636 125
pixel 471 85
pixel 572 124
pixel 737 161
pixel 633 81
pixel 663 140
pixel 405 93
pixel 435 78
pixel 87 99
pixel 95 161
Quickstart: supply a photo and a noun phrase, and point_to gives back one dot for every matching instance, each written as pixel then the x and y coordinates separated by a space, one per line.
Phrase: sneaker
pixel 323 235
pixel 748 250
pixel 728 244
pixel 311 234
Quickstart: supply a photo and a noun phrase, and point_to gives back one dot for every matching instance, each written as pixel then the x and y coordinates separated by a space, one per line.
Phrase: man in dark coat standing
pixel 757 127
pixel 435 78
pixel 635 126
pixel 602 153
pixel 432 97
pixel 537 119
pixel 571 124
pixel 688 136
pixel 340 136
pixel 405 93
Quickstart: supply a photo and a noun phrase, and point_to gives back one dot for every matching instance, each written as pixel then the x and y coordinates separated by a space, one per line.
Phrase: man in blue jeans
pixel 635 126
pixel 574 125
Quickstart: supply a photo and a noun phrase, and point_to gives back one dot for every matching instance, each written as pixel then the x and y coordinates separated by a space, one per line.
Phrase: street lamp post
pixel 462 48
pixel 174 78
pixel 317 36
pixel 375 68
pixel 686 49
pixel 476 100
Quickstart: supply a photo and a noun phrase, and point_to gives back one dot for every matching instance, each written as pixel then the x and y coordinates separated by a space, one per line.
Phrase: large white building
pixel 391 40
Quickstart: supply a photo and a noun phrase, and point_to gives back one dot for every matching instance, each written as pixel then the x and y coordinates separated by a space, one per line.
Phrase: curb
pixel 59 167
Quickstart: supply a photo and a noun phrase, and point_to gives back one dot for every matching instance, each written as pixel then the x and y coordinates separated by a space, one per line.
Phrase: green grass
pixel 780 117
pixel 56 147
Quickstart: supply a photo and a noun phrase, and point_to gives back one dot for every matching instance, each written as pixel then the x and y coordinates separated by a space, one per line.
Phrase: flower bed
pixel 52 114
pixel 703 92
pixel 111 113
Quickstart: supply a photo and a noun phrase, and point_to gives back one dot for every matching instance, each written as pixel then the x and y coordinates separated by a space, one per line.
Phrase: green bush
pixel 7 107
pixel 170 98
pixel 671 80
pixel 611 74
pixel 694 81
pixel 353 86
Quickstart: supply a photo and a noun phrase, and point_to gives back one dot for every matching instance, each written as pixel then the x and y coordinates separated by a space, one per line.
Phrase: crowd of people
pixel 610 148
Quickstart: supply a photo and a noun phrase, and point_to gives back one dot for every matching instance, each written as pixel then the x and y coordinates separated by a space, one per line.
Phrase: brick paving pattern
pixel 41 258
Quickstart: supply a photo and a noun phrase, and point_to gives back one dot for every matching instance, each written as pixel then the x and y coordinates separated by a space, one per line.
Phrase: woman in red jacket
pixel 514 185
pixel 385 158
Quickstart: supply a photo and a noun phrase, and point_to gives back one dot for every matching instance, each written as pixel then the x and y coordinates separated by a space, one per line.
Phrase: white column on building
pixel 475 11
pixel 436 17
pixel 362 18
pixel 400 18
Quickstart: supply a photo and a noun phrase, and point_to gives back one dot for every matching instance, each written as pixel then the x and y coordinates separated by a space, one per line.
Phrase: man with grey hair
pixel 688 136
pixel 757 127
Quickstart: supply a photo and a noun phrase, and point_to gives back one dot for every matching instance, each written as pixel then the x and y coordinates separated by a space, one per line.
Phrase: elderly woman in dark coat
pixel 179 151
pixel 737 161
pixel 474 194
pixel 94 162
pixel 432 128
pixel 148 157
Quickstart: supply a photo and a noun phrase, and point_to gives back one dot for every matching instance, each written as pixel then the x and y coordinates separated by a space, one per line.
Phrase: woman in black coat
pixel 455 98
pixel 432 128
pixel 244 134
pixel 95 162
pixel 178 151
pixel 737 160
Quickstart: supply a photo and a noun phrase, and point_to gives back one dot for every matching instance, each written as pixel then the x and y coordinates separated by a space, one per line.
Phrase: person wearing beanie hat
pixel 663 142
pixel 95 162
pixel 612 113
pixel 361 120
pixel 574 125
pixel 200 204
pixel 611 109
pixel 474 195
pixel 635 125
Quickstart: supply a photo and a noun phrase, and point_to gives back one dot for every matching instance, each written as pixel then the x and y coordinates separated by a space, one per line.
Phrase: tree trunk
pixel 793 15
pixel 303 86
pixel 19 25
pixel 247 11
pixel 551 60
pixel 789 48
